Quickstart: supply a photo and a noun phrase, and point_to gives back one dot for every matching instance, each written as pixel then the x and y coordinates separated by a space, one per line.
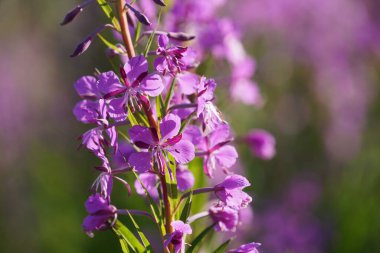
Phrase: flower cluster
pixel 154 118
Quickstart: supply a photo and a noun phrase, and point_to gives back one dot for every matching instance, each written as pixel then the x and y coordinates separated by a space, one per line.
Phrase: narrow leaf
pixel 109 13
pixel 128 236
pixel 199 238
pixel 222 248
pixel 187 208
pixel 143 238
pixel 169 95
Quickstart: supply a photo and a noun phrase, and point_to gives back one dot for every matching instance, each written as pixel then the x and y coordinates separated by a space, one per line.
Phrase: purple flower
pixel 95 141
pixel 262 144
pixel 225 217
pixel 230 191
pixel 206 110
pixel 155 147
pixel 149 181
pixel 169 59
pixel 137 82
pixel 247 248
pixel 100 213
pixel 176 238
pixel 185 178
pixel 218 155
pixel 96 91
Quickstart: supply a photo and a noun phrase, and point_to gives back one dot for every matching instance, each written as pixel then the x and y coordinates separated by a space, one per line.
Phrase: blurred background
pixel 317 64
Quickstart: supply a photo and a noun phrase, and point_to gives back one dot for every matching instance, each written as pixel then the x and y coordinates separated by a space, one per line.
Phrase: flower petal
pixel 169 126
pixel 86 87
pixel 183 151
pixel 135 67
pixel 142 161
pixel 109 82
pixel 141 136
pixel 226 156
pixel 152 85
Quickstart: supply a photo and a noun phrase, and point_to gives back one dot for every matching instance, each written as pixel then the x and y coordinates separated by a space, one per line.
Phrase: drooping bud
pixel 70 16
pixel 85 44
pixel 160 2
pixel 82 47
pixel 180 36
pixel 140 16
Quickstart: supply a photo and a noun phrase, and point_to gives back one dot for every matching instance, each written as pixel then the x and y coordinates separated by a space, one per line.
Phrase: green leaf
pixel 169 96
pixel 128 236
pixel 109 13
pixel 143 238
pixel 153 207
pixel 199 238
pixel 109 44
pixel 151 37
pixel 132 118
pixel 187 208
pixel 196 166
pixel 138 32
pixel 222 248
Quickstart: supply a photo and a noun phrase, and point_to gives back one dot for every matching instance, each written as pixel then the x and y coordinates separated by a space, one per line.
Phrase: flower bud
pixel 160 2
pixel 82 47
pixel 71 15
pixel 180 36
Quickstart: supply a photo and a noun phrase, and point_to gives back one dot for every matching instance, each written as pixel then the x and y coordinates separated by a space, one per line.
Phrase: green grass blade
pixel 109 13
pixel 222 248
pixel 199 238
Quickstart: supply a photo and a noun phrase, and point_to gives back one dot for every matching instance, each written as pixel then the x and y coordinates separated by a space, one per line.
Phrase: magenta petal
pixel 163 41
pixel 112 134
pixel 185 179
pixel 141 161
pixel 152 85
pixel 109 82
pixel 149 180
pixel 220 135
pixel 192 133
pixel 135 67
pixel 116 109
pixel 234 182
pixel 140 134
pixel 170 126
pixel 187 82
pixel 86 87
pixel 86 111
pixel 183 152
pixel 160 64
pixel 226 156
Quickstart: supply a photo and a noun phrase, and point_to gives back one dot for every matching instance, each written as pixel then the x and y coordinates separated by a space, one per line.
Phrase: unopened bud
pixel 82 47
pixel 160 2
pixel 180 36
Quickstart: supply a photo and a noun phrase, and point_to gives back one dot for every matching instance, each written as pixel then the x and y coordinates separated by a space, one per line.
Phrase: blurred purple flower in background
pixel 336 42
pixel 289 224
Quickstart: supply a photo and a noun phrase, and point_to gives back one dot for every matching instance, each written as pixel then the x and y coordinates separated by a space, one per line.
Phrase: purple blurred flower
pixel 170 141
pixel 176 238
pixel 149 181
pixel 185 178
pixel 217 154
pixel 100 213
pixel 247 248
pixel 169 59
pixel 230 191
pixel 226 218
pixel 137 81
pixel 206 110
pixel 261 143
